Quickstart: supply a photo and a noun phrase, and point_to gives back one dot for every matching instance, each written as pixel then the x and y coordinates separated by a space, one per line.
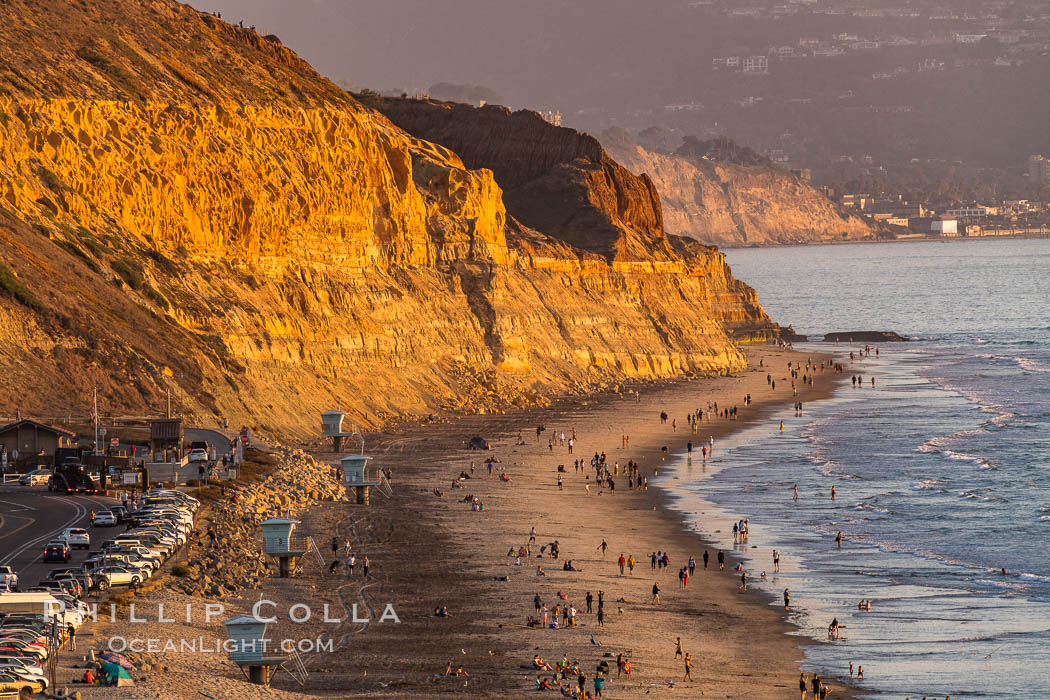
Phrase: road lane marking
pixel 78 514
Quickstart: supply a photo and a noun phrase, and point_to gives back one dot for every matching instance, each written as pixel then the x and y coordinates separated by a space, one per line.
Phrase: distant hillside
pixel 724 194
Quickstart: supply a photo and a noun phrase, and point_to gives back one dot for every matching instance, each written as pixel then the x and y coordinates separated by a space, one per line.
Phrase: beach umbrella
pixel 116 674
pixel 115 658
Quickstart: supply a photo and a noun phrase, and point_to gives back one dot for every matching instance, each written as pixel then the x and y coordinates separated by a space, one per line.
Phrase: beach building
pixel 26 440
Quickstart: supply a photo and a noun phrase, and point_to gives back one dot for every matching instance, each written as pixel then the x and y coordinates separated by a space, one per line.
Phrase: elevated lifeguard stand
pixel 332 426
pixel 355 476
pixel 280 541
pixel 251 650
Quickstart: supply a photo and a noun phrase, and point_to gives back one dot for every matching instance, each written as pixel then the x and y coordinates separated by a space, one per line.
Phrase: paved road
pixel 30 516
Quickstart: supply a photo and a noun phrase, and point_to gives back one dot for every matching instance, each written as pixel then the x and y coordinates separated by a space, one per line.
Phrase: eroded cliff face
pixel 555 180
pixel 269 259
pixel 729 205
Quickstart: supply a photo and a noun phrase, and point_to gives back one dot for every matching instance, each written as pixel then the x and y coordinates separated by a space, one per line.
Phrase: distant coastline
pixel 907 239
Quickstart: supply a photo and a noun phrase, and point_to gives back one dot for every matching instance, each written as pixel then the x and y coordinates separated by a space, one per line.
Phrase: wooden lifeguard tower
pixel 332 426
pixel 355 476
pixel 280 541
pixel 249 649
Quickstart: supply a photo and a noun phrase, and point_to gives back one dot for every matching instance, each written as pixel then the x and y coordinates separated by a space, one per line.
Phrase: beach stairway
pixel 313 554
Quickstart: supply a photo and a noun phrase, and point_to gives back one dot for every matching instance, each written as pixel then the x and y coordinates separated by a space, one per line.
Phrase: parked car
pixel 35 477
pixel 8 578
pixel 120 513
pixel 29 663
pixel 118 576
pixel 77 537
pixel 25 675
pixel 56 551
pixel 104 518
pixel 198 454
pixel 10 683
pixel 70 583
pixel 75 572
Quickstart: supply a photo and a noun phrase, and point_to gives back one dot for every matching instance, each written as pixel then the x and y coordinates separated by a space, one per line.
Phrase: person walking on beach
pixel 692 565
pixel 630 564
pixel 622 561
pixel 776 561
pixel 688 668
pixel 802 685
pixel 601 617
pixel 656 594
pixel 603 546
pixel 721 560
pixel 678 647
pixel 589 599
pixel 705 559
pixel 833 493
pixel 335 546
pixel 652 560
pixel 536 603
pixel 787 599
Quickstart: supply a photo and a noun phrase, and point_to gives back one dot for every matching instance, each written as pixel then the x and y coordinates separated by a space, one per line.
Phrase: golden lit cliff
pixel 187 206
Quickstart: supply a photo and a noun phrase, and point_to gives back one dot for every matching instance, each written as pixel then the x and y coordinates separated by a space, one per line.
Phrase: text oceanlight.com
pixel 263 611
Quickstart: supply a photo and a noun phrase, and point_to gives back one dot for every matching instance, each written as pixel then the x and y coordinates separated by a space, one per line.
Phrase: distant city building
pixel 945 227
pixel 551 117
pixel 756 65
pixel 804 174
pixel 973 212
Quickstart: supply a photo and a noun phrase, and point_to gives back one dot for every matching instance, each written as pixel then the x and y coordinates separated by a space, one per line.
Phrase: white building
pixel 945 227
pixel 756 65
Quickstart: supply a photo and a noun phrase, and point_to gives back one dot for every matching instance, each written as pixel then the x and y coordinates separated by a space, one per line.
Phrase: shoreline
pixel 428 551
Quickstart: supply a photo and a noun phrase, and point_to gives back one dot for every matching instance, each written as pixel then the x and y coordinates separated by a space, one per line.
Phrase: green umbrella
pixel 115 673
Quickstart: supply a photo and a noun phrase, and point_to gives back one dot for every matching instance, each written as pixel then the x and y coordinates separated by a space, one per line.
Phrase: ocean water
pixel 942 470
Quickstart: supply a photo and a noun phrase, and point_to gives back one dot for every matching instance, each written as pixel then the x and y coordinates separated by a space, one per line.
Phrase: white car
pixel 8 579
pixel 119 576
pixel 76 537
pixel 27 662
pixel 104 518
pixel 35 477
pixel 198 454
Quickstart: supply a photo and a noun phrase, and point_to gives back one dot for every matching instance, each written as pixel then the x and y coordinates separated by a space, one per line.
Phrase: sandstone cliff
pixel 731 205
pixel 185 205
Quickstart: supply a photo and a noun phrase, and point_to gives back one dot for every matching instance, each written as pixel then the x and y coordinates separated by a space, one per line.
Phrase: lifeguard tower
pixel 250 648
pixel 280 541
pixel 355 476
pixel 332 426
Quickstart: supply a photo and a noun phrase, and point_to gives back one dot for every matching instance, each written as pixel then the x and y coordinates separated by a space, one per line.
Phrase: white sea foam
pixel 929 484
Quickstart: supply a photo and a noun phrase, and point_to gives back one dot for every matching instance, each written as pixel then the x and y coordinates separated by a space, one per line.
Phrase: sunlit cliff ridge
pixel 188 207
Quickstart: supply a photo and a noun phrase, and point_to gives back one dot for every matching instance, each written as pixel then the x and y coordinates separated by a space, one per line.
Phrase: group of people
pixel 350 559
pixel 820 689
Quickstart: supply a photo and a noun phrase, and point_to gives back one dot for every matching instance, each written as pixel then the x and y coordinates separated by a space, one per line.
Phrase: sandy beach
pixel 437 551
pixel 428 551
